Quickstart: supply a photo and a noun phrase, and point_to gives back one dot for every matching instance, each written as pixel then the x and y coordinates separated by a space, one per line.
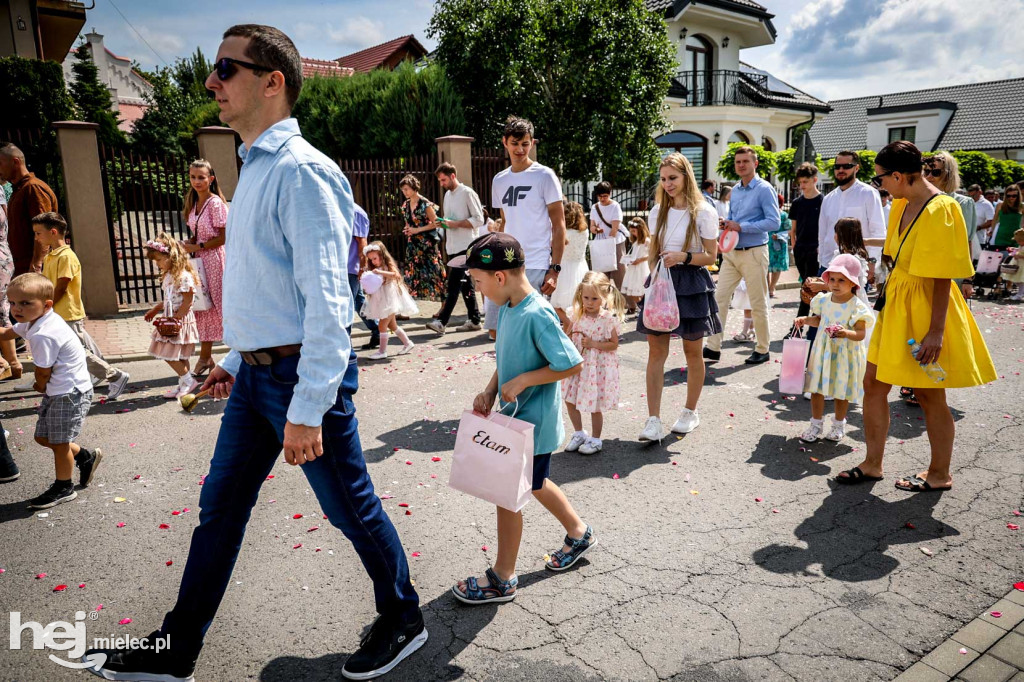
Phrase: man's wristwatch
pixel 556 267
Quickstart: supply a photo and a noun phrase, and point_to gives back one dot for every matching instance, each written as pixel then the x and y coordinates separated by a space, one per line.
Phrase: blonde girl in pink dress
pixel 206 212
pixel 597 314
pixel 178 281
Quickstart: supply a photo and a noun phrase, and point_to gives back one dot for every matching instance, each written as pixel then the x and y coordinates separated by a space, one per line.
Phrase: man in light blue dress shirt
pixel 753 213
pixel 291 374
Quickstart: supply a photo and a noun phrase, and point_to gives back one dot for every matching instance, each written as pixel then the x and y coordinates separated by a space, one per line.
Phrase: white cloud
pixel 168 45
pixel 352 35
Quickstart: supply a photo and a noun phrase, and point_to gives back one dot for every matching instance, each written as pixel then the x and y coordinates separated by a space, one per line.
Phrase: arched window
pixel 699 54
pixel 767 143
pixel 739 136
pixel 691 145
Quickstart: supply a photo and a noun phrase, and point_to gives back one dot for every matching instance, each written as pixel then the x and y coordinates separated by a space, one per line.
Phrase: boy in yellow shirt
pixel 62 268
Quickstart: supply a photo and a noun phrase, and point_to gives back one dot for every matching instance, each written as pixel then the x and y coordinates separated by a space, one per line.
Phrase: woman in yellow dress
pixel 927 238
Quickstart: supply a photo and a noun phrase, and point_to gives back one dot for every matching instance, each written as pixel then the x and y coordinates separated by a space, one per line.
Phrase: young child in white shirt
pixel 62 376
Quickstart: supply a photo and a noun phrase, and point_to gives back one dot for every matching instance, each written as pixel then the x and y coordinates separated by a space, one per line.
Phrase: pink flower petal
pixel 60 588
pixel 175 513
pixel 164 526
pixel 387 497
pixel 408 513
pixel 124 621
pixel 758 499
pixel 297 546
pixel 911 526
pixel 1019 586
pixel 963 651
pixel 403 504
pixel 435 459
pixel 40 576
pixel 99 607
pixel 484 548
pixel 775 511
pixel 408 461
pixel 1013 526
pixel 313 529
pixel 121 524
pixel 185 510
pixel 296 516
pixel 136 477
pixel 433 475
pixel 317 549
pixel 270 476
pixel 415 554
pixel 615 477
pixel 996 614
pixel 81 585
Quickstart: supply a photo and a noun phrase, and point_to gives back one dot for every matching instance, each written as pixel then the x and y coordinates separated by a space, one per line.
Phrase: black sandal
pixel 908 396
pixel 918 485
pixel 855 476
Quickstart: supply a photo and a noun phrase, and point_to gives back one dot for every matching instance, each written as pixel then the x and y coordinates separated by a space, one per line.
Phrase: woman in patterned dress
pixel 206 212
pixel 424 268
pixel 9 365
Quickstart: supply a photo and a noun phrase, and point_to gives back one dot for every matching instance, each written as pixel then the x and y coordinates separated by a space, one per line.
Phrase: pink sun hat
pixel 846 265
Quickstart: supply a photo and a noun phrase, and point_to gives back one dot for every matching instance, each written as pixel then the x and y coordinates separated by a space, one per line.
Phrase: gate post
pixel 87 212
pixel 217 145
pixel 457 150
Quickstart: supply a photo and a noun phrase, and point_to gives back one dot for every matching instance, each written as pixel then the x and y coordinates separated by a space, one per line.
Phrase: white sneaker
pixel 687 422
pixel 807 395
pixel 468 326
pixel 407 348
pixel 436 326
pixel 812 433
pixel 116 387
pixel 379 355
pixel 836 433
pixel 591 446
pixel 652 430
pixel 578 439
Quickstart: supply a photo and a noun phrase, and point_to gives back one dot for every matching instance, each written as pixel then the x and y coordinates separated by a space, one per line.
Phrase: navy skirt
pixel 695 296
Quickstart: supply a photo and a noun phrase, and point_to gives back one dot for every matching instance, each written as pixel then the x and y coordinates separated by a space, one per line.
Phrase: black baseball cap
pixel 493 251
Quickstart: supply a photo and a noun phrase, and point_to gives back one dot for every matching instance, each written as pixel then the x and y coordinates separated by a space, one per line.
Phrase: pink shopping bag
pixel 794 364
pixel 493 459
pixel 661 310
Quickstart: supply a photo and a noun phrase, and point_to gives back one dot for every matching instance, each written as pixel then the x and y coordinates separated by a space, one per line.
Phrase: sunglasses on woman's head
pixel 934 172
pixel 226 67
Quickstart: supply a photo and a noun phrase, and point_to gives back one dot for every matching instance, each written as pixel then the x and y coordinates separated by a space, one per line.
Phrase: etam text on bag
pixel 481 438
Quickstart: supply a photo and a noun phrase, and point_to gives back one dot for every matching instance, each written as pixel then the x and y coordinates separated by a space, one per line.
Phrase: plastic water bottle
pixel 933 370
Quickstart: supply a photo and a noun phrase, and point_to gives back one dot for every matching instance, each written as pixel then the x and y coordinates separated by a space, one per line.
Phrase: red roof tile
pixel 129 114
pixel 324 67
pixel 372 57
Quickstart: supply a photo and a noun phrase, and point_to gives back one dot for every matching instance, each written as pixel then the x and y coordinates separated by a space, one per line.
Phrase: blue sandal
pixel 561 561
pixel 497 591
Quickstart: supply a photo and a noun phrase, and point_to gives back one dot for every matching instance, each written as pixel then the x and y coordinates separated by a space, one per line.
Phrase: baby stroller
pixel 987 274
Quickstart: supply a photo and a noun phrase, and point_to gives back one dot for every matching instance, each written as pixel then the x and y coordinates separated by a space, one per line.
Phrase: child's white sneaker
pixel 379 355
pixel 578 439
pixel 837 431
pixel 813 432
pixel 652 430
pixel 591 446
pixel 687 422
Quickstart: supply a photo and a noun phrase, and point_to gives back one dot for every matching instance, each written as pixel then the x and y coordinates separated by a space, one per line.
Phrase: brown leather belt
pixel 267 356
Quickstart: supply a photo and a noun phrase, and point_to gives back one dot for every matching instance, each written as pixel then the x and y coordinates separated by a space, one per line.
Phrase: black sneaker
pixel 8 469
pixel 757 358
pixel 140 664
pixel 87 461
pixel 386 645
pixel 60 491
pixel 712 355
pixel 371 344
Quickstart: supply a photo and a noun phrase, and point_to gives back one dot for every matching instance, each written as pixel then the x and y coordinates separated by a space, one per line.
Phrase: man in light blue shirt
pixel 291 374
pixel 753 213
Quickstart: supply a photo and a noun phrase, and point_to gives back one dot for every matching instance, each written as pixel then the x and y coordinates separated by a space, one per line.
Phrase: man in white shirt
pixel 529 196
pixel 606 222
pixel 985 210
pixel 850 199
pixel 463 218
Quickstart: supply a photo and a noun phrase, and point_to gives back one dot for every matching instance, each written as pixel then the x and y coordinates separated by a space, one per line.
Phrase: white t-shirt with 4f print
pixel 524 197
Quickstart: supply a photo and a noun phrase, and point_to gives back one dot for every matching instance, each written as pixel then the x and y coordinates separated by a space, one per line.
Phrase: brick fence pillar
pixel 217 145
pixel 457 150
pixel 87 213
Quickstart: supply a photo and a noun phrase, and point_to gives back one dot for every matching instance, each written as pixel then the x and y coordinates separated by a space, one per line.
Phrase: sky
pixel 831 49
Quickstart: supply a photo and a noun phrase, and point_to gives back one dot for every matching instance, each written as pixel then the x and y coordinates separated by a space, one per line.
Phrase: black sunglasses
pixel 877 180
pixel 934 172
pixel 225 67
pixel 845 166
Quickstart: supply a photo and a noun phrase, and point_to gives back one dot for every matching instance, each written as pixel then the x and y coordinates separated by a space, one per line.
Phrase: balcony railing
pixel 719 88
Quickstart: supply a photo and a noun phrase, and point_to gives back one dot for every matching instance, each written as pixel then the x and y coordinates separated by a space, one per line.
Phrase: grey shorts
pixel 536 278
pixel 61 416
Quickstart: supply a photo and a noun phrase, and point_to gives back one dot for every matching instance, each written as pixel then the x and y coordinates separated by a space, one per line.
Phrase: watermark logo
pixel 70 637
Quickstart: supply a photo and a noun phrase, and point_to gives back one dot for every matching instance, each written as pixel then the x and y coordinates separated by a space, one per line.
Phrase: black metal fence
pixel 718 88
pixel 144 195
pixel 42 157
pixel 486 164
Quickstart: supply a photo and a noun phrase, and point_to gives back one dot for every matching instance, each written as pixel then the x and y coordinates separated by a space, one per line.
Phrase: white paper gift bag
pixel 603 255
pixel 493 459
pixel 201 298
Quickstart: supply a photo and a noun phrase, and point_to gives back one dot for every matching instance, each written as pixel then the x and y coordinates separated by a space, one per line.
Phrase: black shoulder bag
pixel 605 221
pixel 880 301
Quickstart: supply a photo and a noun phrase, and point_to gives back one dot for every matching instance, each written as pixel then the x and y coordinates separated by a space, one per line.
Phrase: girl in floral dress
pixel 178 282
pixel 424 268
pixel 597 315
pixel 206 212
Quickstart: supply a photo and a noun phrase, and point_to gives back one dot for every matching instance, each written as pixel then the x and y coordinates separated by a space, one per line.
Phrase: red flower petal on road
pixel 615 477
pixel 433 475
pixel 99 607
pixel 164 526
pixel 270 476
pixel 313 529
pixel 296 516
pixel 124 621
pixel 484 548
pixel 81 585
pixel 297 546
pixel 1019 586
pixel 317 549
pixel 169 562
pixel 40 576
pixel 408 513
pixel 996 614
pixel 408 461
pixel 185 510
pixel 121 524
pixel 387 497
pixel 758 499
pixel 136 477
pixel 175 513
pixel 403 504
pixel 60 588
pixel 435 459
pixel 1013 526
pixel 415 554
pixel 775 511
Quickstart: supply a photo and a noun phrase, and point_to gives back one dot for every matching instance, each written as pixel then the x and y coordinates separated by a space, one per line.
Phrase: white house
pixel 716 98
pixel 127 88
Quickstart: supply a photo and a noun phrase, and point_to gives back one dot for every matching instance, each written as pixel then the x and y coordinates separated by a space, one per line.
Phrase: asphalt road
pixel 694 579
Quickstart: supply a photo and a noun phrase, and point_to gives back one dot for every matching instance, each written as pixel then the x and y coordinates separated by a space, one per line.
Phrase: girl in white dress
pixel 390 300
pixel 574 261
pixel 637 267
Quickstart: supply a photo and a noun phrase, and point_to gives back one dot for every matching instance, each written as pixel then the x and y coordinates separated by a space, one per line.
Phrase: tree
pixel 592 76
pixel 34 94
pixel 765 161
pixel 92 98
pixel 1004 172
pixel 785 164
pixel 975 168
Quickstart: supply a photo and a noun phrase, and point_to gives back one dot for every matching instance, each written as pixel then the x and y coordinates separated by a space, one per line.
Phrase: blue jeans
pixel 248 447
pixel 359 298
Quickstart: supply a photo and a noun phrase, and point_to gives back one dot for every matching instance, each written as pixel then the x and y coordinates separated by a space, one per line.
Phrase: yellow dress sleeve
pixel 941 249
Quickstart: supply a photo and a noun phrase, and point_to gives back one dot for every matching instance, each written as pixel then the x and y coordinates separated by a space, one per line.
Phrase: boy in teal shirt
pixel 533 355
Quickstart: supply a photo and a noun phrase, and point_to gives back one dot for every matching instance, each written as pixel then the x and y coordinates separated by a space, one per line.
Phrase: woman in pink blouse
pixel 206 212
